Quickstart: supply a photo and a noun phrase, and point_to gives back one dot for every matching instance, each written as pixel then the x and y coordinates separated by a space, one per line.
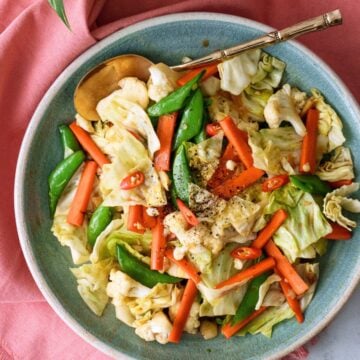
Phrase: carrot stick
pixel 81 199
pixel 158 246
pixel 135 219
pixel 89 145
pixel 165 132
pixel 286 269
pixel 338 233
pixel 229 330
pixel 237 138
pixel 185 265
pixel 149 222
pixel 308 148
pixel 183 312
pixel 238 182
pixel 292 301
pixel 249 273
pixel 270 229
pixel 209 71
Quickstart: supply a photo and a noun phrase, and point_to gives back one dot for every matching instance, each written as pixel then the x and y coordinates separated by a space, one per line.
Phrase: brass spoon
pixel 102 80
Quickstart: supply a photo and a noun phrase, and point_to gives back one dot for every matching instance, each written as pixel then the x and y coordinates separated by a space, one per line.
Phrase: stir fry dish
pixel 201 201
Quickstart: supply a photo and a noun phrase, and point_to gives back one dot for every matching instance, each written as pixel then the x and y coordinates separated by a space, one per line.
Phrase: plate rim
pixel 36 118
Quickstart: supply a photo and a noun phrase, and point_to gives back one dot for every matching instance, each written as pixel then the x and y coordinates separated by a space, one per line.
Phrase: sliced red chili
pixel 213 129
pixel 132 181
pixel 338 233
pixel 340 183
pixel 189 216
pixel 274 183
pixel 246 253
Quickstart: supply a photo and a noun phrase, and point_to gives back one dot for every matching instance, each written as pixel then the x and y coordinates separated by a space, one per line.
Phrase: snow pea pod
pixel 176 100
pixel 310 183
pixel 181 174
pixel 68 140
pixel 140 271
pixel 202 136
pixel 61 175
pixel 191 119
pixel 100 219
pixel 248 303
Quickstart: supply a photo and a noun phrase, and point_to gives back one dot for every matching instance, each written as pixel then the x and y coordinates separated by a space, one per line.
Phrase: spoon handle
pixel 321 22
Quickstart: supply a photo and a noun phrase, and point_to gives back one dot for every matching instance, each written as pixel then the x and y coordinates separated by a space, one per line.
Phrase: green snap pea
pixel 68 140
pixel 310 183
pixel 176 100
pixel 248 303
pixel 202 136
pixel 181 174
pixel 141 272
pixel 61 175
pixel 99 220
pixel 191 119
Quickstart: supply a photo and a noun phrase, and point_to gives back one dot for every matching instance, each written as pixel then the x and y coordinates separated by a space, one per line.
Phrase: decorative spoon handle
pixel 321 22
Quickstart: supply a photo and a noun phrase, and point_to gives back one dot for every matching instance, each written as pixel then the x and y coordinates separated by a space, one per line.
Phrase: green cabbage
pixel 274 150
pixel 217 302
pixel 338 167
pixel 92 281
pixel 303 228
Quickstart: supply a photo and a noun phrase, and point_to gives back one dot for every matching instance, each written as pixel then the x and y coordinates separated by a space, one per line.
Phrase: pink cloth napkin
pixel 34 48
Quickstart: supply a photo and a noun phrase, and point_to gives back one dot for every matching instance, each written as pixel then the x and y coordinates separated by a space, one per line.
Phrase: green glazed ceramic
pixel 168 39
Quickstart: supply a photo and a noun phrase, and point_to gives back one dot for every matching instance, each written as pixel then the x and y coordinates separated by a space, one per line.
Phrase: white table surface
pixel 340 340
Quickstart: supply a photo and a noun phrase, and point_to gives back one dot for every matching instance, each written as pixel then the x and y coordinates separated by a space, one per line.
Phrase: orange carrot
pixel 165 132
pixel 308 148
pixel 148 221
pixel 237 138
pixel 238 182
pixel 229 330
pixel 270 229
pixel 209 71
pixel 340 183
pixel 135 219
pixel 183 312
pixel 185 265
pixel 89 145
pixel 286 269
pixel 292 301
pixel 81 199
pixel 338 233
pixel 249 273
pixel 158 246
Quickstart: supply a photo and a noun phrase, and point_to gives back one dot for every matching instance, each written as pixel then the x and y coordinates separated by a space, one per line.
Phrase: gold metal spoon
pixel 103 79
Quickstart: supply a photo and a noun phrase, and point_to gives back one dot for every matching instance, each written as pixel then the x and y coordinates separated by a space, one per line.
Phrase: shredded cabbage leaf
pixel 338 200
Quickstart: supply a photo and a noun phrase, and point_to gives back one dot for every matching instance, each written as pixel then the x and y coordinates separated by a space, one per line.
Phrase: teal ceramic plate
pixel 168 39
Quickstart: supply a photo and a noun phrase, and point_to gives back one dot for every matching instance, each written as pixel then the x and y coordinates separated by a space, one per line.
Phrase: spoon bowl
pixel 102 80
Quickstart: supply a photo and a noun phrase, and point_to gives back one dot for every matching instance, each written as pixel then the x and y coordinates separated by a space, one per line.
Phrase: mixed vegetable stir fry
pixel 201 201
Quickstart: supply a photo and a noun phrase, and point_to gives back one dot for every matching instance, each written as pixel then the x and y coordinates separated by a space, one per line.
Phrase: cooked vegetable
pixel 68 140
pixel 238 139
pixel 89 145
pixel 270 229
pixel 132 181
pixel 286 269
pixel 61 175
pixel 340 183
pixel 249 273
pixel 82 196
pixel 246 253
pixel 141 272
pixel 149 222
pixel 165 131
pixel 181 174
pixel 191 120
pixel 158 246
pixel 235 184
pixel 338 233
pixel 310 184
pixel 182 314
pixel 209 71
pixel 213 129
pixel 99 220
pixel 274 183
pixel 176 100
pixel 188 215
